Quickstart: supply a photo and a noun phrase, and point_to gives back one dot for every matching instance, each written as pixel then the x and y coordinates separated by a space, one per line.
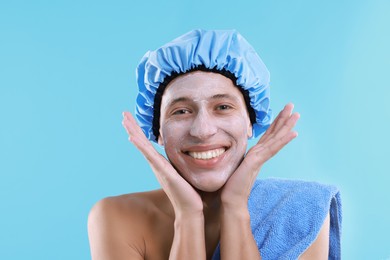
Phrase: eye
pixel 180 112
pixel 223 107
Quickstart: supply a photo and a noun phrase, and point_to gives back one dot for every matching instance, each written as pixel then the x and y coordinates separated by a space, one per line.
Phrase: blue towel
pixel 287 215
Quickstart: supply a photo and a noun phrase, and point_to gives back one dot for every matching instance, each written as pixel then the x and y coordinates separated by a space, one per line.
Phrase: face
pixel 204 128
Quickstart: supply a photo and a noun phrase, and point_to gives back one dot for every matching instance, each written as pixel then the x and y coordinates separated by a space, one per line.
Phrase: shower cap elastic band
pixel 221 51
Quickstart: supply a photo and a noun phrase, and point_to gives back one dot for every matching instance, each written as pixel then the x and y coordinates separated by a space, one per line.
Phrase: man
pixel 201 97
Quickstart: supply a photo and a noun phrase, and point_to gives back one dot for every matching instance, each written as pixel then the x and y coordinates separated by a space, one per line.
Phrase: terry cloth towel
pixel 287 215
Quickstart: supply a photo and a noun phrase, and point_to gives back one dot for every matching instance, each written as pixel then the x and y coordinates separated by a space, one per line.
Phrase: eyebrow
pixel 187 99
pixel 223 96
pixel 178 100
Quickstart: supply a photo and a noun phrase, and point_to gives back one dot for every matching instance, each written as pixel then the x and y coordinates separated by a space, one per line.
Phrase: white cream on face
pixel 204 128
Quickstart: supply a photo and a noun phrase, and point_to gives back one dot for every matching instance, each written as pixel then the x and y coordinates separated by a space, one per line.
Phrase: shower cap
pixel 214 50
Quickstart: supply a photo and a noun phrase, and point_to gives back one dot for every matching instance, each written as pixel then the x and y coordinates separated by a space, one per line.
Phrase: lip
pixel 204 148
pixel 207 155
pixel 202 163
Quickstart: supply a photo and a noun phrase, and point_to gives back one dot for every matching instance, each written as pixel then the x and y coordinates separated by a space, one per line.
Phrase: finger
pixel 249 168
pixel 138 138
pixel 283 116
pixel 131 125
pixel 173 184
pixel 135 133
pixel 283 136
pixel 288 125
pixel 279 120
pixel 270 145
pixel 261 153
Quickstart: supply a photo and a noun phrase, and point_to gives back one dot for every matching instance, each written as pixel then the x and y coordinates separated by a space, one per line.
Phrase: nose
pixel 203 126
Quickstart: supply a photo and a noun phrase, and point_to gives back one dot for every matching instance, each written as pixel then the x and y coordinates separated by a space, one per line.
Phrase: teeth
pixel 207 154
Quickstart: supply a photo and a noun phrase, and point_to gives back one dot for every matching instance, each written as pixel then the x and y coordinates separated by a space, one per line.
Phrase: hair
pixel 161 88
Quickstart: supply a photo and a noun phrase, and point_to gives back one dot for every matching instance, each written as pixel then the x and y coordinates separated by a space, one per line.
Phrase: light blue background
pixel 67 71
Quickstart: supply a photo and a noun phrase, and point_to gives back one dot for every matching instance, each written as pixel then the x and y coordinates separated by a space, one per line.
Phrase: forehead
pixel 200 85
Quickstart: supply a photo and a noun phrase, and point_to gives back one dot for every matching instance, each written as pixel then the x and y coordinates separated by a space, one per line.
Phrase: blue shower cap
pixel 216 50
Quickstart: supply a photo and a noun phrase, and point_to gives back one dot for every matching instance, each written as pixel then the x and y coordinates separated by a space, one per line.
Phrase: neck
pixel 211 205
pixel 211 212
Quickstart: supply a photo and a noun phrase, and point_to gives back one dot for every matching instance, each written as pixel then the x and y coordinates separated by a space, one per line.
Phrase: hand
pixel 184 198
pixel 236 191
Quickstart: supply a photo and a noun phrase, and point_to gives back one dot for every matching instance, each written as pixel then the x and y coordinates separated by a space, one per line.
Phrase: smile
pixel 206 155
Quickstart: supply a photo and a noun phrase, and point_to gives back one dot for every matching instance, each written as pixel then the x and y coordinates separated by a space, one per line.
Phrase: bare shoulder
pixel 119 227
pixel 320 247
pixel 129 205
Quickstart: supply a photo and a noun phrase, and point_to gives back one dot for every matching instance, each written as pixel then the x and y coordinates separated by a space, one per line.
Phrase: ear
pixel 249 129
pixel 160 140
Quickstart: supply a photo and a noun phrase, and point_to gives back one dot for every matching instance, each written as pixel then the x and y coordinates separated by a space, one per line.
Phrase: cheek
pixel 173 132
pixel 238 125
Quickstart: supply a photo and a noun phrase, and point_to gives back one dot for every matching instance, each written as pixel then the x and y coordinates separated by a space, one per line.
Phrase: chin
pixel 209 184
pixel 209 188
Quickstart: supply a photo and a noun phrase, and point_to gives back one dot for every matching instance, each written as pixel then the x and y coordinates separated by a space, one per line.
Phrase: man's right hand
pixel 189 237
pixel 184 198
